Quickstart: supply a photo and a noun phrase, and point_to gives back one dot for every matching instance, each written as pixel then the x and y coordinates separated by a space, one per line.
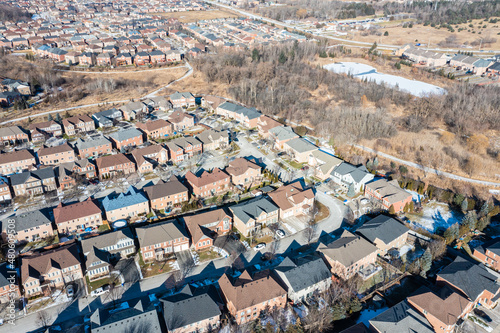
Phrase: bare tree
pixel 43 318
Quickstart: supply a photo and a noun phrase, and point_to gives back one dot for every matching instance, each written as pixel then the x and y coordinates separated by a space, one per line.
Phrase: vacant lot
pixel 193 16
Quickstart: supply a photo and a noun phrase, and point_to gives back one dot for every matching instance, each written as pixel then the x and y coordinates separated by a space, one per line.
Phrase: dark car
pixel 483 315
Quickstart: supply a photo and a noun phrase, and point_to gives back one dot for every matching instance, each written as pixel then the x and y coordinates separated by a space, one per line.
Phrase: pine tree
pixel 485 208
pixel 451 233
pixel 49 117
pixel 483 223
pixel 470 220
pixel 392 210
pixel 352 191
pixel 255 55
pixel 425 262
pixel 58 118
pixel 464 205
pixel 282 58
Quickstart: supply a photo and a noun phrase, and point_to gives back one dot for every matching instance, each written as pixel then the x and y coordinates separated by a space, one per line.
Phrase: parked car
pixel 70 291
pixel 482 315
pixel 259 246
pixel 99 291
pixel 280 233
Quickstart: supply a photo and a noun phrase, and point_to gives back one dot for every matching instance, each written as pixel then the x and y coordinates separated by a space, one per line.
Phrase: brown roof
pixel 41 263
pixel 290 195
pixel 246 291
pixel 214 101
pixel 43 124
pixel 74 211
pixel 162 190
pixel 239 166
pixel 76 119
pixel 178 116
pixel 19 155
pixel 206 177
pixel 267 123
pixel 153 125
pixel 196 224
pixel 111 160
pixel 447 306
pixel 45 151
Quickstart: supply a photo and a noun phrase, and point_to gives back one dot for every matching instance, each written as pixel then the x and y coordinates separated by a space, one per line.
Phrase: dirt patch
pixel 198 15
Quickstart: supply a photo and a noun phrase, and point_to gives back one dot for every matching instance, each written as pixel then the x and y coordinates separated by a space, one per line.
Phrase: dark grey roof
pixel 470 278
pixel 28 220
pixel 160 232
pixel 126 134
pixel 91 142
pixel 190 306
pixel 382 227
pixel 305 273
pixel 21 178
pixel 6 271
pixel 357 172
pixel 348 249
pixel 401 318
pixel 251 209
pixel 251 113
pixel 160 190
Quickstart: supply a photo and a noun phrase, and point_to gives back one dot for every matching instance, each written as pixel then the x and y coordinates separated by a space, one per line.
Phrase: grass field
pixel 193 16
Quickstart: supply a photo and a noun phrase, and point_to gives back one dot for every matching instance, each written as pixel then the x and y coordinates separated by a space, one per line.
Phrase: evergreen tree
pixel 464 205
pixel 375 162
pixel 485 208
pixel 451 233
pixel 49 117
pixel 255 55
pixel 458 199
pixel 392 210
pixel 58 118
pixel 352 191
pixel 282 58
pixel 470 220
pixel 483 223
pixel 425 262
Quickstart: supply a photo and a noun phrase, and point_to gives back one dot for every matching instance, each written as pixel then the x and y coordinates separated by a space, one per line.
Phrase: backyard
pixel 435 215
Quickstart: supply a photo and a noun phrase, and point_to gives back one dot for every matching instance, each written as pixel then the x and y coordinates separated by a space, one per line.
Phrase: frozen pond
pixel 362 71
pixel 435 215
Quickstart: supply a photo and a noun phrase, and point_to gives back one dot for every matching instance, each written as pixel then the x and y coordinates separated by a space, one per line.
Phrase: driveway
pixel 128 269
pixel 229 244
pixel 185 259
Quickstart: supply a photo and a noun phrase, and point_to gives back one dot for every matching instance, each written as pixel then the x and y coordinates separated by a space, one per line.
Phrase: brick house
pixel 105 59
pixel 93 147
pixel 385 233
pixel 251 216
pixel 487 253
pixel 388 193
pixel 124 59
pixel 182 99
pixel 183 148
pixel 112 165
pixel 9 288
pixel 78 169
pixel 78 124
pixel 29 226
pixel 299 149
pixel 142 58
pixel 13 135
pixel 293 199
pixel 42 272
pixel 158 241
pixel 168 194
pixel 244 172
pixel 16 161
pixel 155 129
pixel 157 57
pixel 282 135
pixel 33 182
pixel 204 227
pixel 348 255
pixel 126 138
pixel 265 291
pixel 56 155
pixel 213 139
pixel 247 116
pixel 209 184
pixel 77 217
pixel 127 205
pixel 148 157
pixel 181 120
pixel 88 59
pixel 40 131
pixel 5 194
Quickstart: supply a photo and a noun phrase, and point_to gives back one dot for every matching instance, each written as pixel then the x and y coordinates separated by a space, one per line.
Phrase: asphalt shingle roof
pixel 382 227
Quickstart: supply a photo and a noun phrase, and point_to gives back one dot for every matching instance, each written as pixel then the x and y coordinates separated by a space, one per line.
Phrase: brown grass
pixel 193 16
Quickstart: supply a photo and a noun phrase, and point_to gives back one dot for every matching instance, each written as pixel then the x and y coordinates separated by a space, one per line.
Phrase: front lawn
pixel 208 255
pixel 93 285
pixel 323 212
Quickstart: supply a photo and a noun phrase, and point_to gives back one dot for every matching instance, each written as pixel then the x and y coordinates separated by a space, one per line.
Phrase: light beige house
pixel 323 164
pixel 28 226
pixel 244 172
pixel 385 233
pixel 56 155
pixel 299 149
pixel 127 205
pixel 293 199
pixel 251 216
pixel 77 217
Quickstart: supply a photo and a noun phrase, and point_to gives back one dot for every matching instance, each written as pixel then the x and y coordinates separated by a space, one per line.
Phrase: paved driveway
pixel 128 269
pixel 229 244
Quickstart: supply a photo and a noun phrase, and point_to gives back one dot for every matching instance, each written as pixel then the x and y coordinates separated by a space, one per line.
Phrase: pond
pixel 362 71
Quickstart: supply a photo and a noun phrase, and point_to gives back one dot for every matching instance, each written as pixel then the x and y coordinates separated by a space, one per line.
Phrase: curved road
pixel 153 94
pixel 427 169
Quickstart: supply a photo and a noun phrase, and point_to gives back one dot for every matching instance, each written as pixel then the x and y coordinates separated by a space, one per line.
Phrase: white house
pixel 346 174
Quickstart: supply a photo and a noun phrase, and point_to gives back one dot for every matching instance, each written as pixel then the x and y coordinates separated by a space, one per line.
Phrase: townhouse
pixel 77 217
pixel 113 165
pixel 282 135
pixel 182 99
pixel 248 116
pixel 293 199
pixel 181 120
pixel 385 233
pixel 213 139
pixel 244 172
pixel 388 194
pixel 165 195
pixel 33 182
pixel 13 135
pixel 346 174
pixel 265 293
pixel 40 131
pixel 123 139
pixel 28 227
pixel 183 148
pixel 56 155
pixel 127 205
pixel 9 288
pixel 208 184
pixel 78 124
pixel 205 227
pixel 93 147
pixel 323 164
pixel 299 149
pixel 251 216
pixel 156 129
pixel 42 272
pixel 158 241
pixel 16 161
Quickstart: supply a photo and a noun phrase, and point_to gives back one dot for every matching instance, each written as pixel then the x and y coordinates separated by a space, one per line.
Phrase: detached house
pixel 157 241
pixel 147 158
pixel 33 182
pixel 78 124
pixel 77 217
pixel 346 174
pixel 132 109
pixel 126 138
pixel 299 149
pixel 16 161
pixel 400 318
pixel 181 120
pixel 250 216
pixel 9 288
pixel 282 135
pixel 323 164
pixel 204 227
pixel 126 205
pixel 51 269
pixel 182 99
pixel 93 147
pixel 209 184
pixel 56 155
pixel 165 195
pixel 244 172
pixel 183 148
pixel 265 124
pixel 293 199
pixel 112 165
pixel 13 135
pixel 248 116
pixel 213 139
pixel 388 194
pixel 487 254
pixel 29 226
pixel 385 233
pixel 107 118
pixel 156 129
pixel 40 131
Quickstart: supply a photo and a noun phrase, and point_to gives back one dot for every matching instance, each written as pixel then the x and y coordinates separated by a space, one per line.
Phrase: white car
pixel 280 233
pixel 70 291
pixel 99 291
pixel 259 247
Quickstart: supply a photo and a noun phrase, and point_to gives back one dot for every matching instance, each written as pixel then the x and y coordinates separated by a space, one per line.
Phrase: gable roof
pixel 160 232
pixel 17 155
pixel 45 151
pixel 401 318
pixel 240 165
pixel 124 199
pixel 304 273
pixel 382 227
pixel 102 241
pixel 283 133
pixel 28 220
pixel 206 177
pixel 357 172
pixel 161 190
pixel 111 160
pixel 301 145
pixel 388 190
pixel 75 211
pixel 251 209
pixel 94 141
pixel 197 224
pixel 250 113
pixel 286 197
pixel 41 174
pixel 125 134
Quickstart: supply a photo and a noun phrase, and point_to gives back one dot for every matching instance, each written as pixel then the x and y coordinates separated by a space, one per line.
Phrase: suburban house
pixel 132 109
pixel 471 280
pixel 166 195
pixel 303 277
pixel 82 168
pixel 126 205
pixel 78 124
pixel 209 184
pixel 140 316
pixel 442 308
pixel 293 199
pixel 16 161
pixel 43 271
pixel 205 227
pixel 184 148
pixel 105 250
pixel 156 129
pixel 266 123
pixel 112 165
pixel 157 241
pixel 323 164
pixel 346 174
pixel 56 155
pixel 248 116
pixel 251 216
pixel 213 139
pixel 29 226
pixel 182 99
pixel 33 182
pixel 265 293
pixel 400 318
pixel 388 193
pixel 9 288
pixel 107 118
pixel 93 147
pixel 349 255
pixel 425 58
pixel 385 233
pixel 147 158
pixel 299 149
pixel 77 217
pixel 158 103
pixel 487 253
pixel 5 194
pixel 126 138
pixel 13 135
pixel 181 120
pixel 281 135
pixel 45 129
pixel 244 172
pixel 192 310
